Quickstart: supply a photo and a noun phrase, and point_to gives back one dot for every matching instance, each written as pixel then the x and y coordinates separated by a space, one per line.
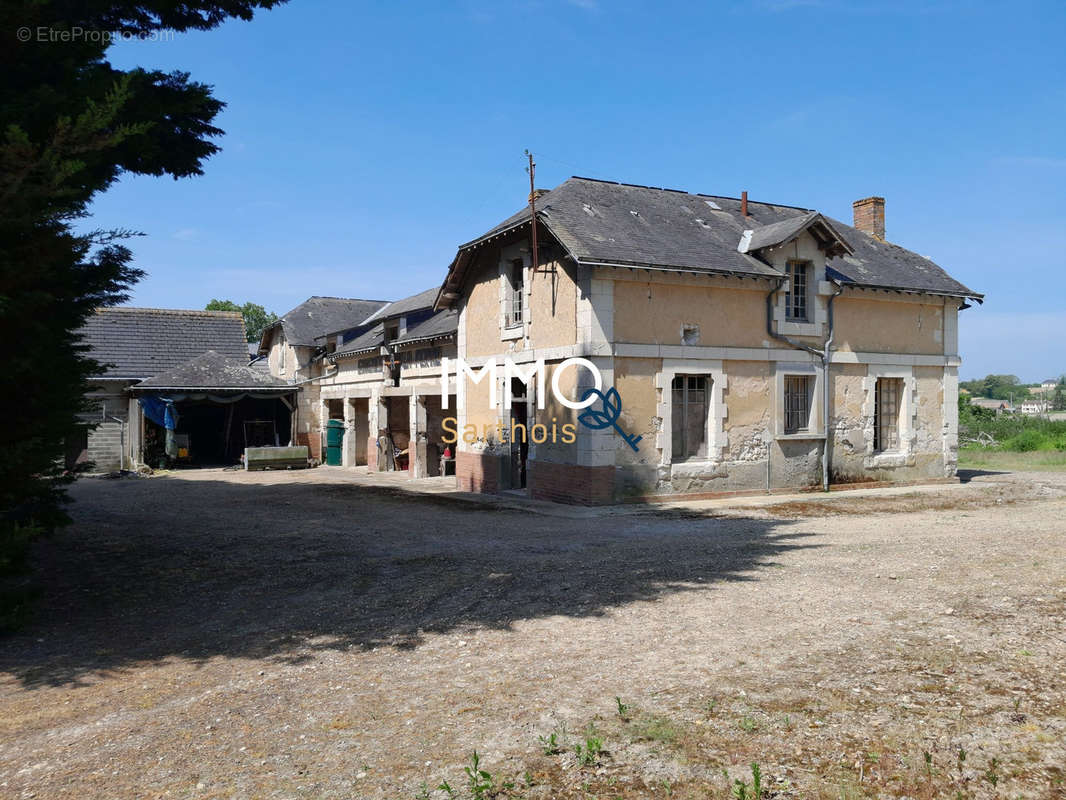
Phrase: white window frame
pixel 717 437
pixel 508 255
pixel 815 424
pixel 903 456
pixel 808 273
pixel 817 289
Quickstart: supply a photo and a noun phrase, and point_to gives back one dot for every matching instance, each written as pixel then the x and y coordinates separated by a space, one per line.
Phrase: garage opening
pixel 206 411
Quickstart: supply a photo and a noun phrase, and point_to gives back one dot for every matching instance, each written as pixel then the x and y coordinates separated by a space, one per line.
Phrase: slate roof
pixel 778 233
pixel 317 316
pixel 407 305
pixel 616 224
pixel 370 340
pixel 135 343
pixel 212 370
pixel 442 324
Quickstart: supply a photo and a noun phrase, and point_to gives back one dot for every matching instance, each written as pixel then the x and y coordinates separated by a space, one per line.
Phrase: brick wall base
pixel 570 483
pixel 480 472
pixel 313 442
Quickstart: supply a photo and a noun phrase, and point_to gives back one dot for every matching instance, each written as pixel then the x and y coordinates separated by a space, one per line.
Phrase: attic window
pixel 588 209
pixel 796 296
pixel 392 331
pixel 690 334
pixel 713 205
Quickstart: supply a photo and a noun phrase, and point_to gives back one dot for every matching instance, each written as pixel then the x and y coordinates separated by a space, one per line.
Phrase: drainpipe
pixel 822 355
pixel 322 377
pixel 827 356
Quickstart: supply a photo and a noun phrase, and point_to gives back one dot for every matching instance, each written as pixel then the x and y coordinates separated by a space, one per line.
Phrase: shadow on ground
pixel 967 475
pixel 201 567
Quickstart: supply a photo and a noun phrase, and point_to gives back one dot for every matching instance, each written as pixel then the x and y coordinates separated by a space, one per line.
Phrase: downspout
pixel 323 376
pixel 822 355
pixel 827 357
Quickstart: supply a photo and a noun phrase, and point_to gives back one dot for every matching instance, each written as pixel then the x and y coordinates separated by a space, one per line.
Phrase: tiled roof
pixel 441 324
pixel 318 316
pixel 370 340
pixel 212 370
pixel 601 222
pixel 413 303
pixel 136 343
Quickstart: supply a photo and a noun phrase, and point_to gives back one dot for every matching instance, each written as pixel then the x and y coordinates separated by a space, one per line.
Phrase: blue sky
pixel 365 141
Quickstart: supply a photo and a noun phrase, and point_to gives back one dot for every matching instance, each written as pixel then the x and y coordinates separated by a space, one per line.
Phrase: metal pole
pixel 533 209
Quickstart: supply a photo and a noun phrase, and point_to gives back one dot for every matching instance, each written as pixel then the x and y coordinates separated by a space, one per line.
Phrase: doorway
pixel 519 433
pixel 356 438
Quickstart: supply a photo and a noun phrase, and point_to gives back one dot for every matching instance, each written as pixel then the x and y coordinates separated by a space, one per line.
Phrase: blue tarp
pixel 160 411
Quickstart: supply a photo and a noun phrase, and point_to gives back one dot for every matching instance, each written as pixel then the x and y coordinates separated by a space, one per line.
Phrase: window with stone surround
pixel 689 416
pixel 798 273
pixel 798 392
pixel 887 395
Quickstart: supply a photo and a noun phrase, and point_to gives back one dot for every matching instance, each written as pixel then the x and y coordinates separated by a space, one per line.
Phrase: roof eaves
pixel 844 280
pixel 427 338
pixel 495 234
pixel 765 271
pixel 334 357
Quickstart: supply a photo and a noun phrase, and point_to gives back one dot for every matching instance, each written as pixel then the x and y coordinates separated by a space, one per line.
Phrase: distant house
pixel 1034 407
pixel 1049 385
pixel 293 347
pixel 991 403
pixel 193 362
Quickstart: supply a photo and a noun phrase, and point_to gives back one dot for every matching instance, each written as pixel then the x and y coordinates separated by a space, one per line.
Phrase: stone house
pixel 293 348
pixel 753 346
pixel 382 379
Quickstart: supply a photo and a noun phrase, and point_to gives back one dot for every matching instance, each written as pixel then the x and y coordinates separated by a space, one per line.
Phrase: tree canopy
pixel 997 387
pixel 70 125
pixel 256 318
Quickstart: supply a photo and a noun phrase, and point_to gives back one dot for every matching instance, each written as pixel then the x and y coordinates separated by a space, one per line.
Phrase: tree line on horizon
pixel 1003 387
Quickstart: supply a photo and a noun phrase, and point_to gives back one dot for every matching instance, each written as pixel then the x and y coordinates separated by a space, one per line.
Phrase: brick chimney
pixel 869 215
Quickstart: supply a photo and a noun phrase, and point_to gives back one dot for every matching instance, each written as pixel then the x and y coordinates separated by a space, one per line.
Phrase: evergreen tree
pixel 70 125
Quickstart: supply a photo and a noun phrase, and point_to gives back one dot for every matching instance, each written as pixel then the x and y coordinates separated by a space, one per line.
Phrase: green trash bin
pixel 334 442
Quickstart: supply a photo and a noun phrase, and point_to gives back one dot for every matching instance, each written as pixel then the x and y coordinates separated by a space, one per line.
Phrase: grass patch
pixel 1036 460
pixel 656 729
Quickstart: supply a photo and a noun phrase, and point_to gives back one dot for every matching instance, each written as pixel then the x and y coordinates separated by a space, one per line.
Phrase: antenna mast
pixel 531 169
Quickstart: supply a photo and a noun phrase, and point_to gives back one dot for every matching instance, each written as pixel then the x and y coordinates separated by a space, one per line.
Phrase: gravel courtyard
pixel 292 635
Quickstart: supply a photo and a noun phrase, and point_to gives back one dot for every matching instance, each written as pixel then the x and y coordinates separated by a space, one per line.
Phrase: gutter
pixel 195 389
pixel 316 378
pixel 824 355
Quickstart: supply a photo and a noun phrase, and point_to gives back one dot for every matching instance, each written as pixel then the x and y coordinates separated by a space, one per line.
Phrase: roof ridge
pixel 685 191
pixel 345 299
pixel 186 311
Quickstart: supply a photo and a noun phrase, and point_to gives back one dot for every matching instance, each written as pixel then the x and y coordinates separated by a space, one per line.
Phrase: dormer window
pixel 798 273
pixel 392 331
